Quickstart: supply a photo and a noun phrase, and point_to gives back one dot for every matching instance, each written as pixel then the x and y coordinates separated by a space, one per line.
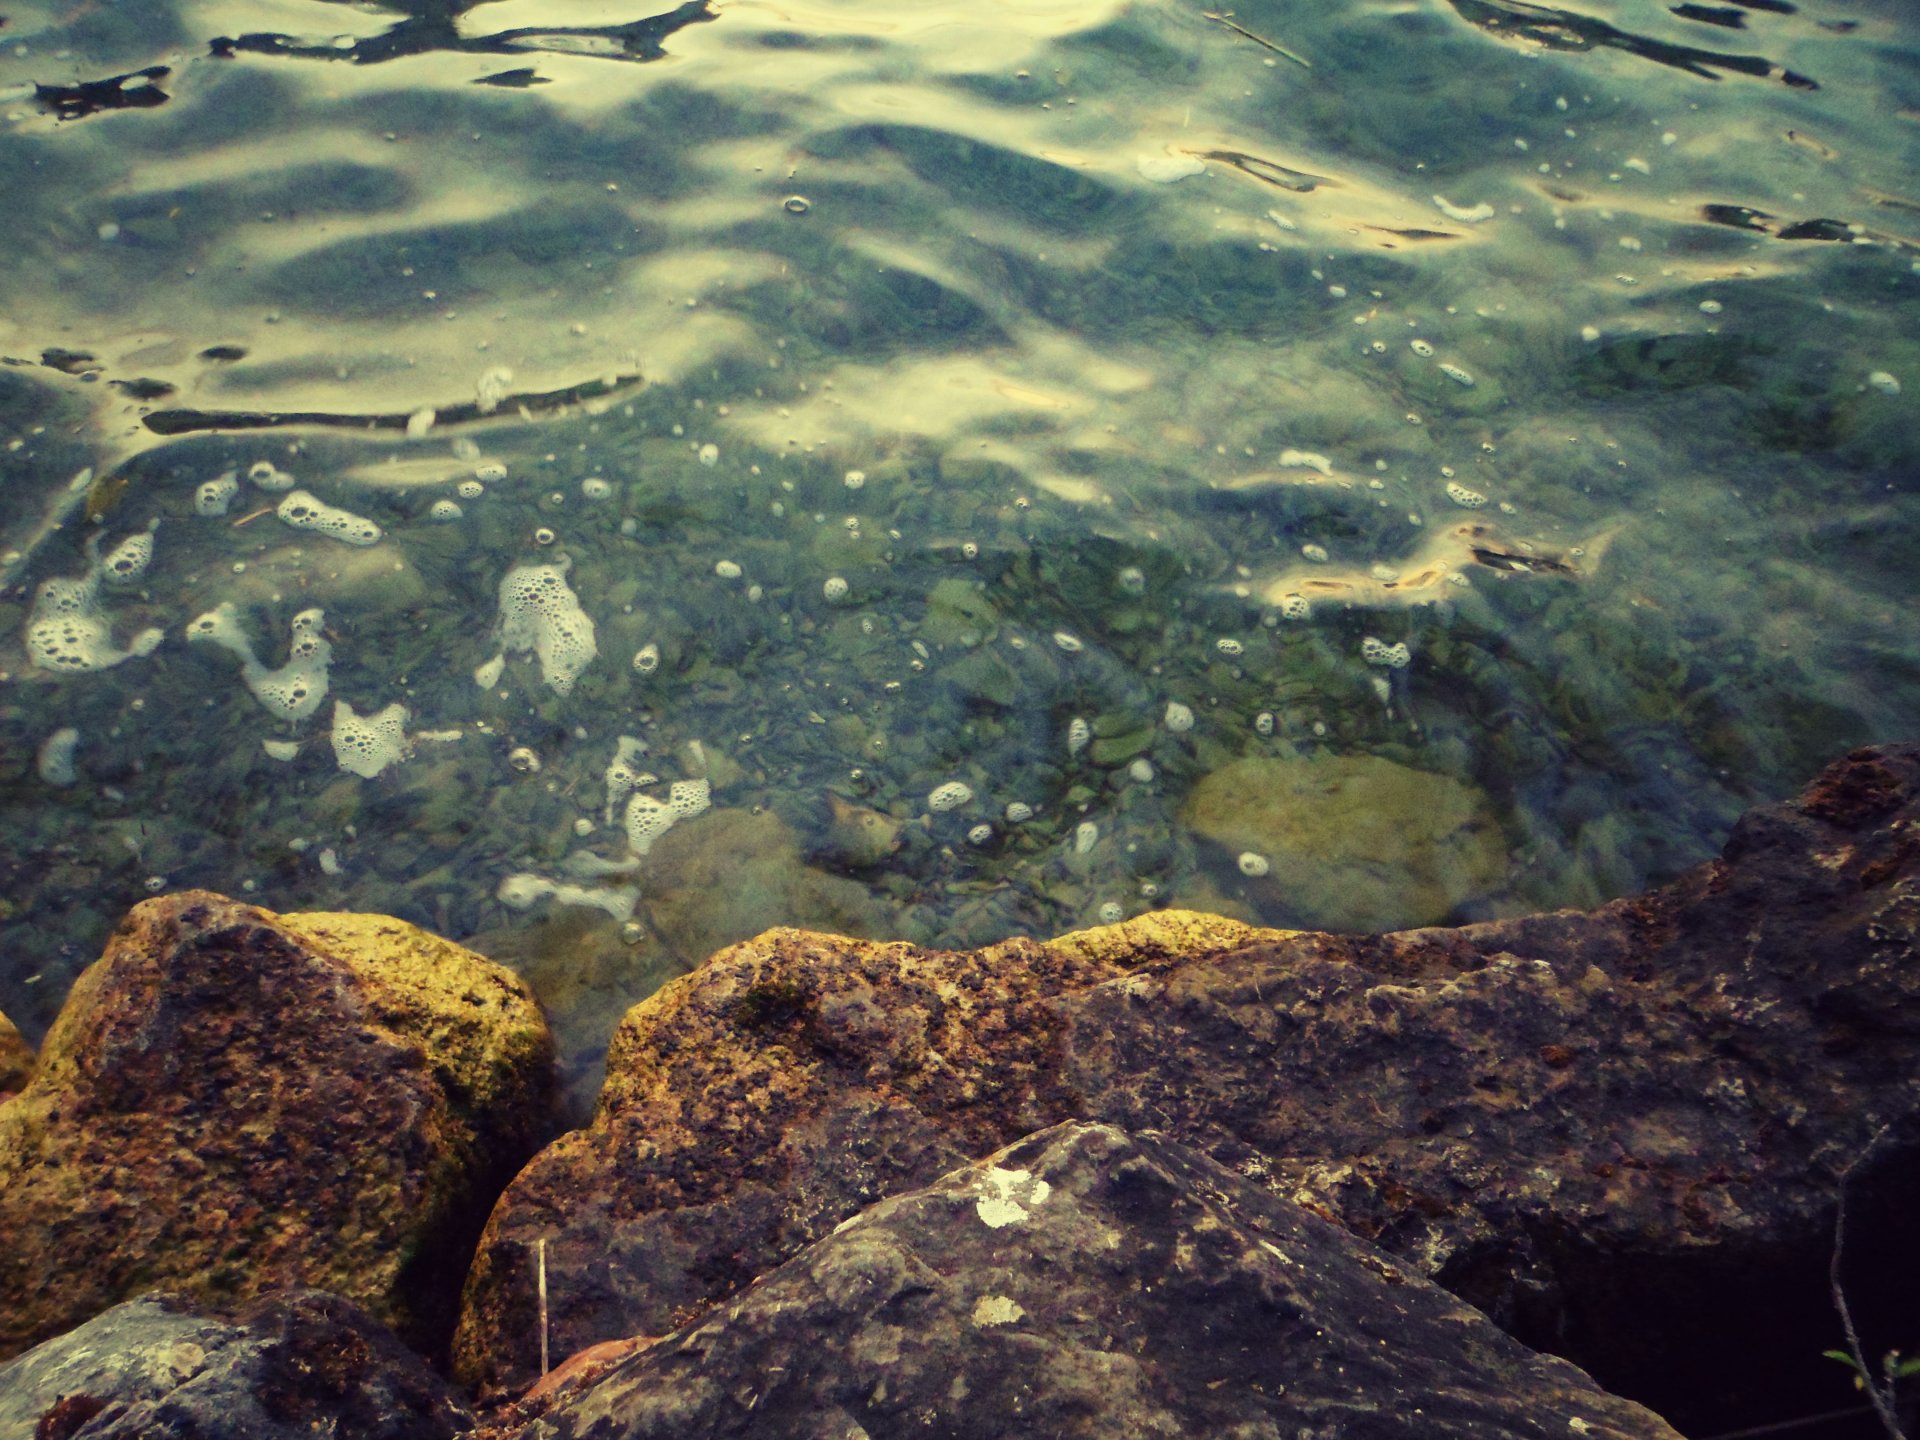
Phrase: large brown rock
pixel 233 1101
pixel 16 1058
pixel 1083 1284
pixel 1617 1132
pixel 751 1106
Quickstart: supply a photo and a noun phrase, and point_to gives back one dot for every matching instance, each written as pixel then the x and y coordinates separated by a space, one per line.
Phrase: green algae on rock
pixel 1354 842
pixel 233 1101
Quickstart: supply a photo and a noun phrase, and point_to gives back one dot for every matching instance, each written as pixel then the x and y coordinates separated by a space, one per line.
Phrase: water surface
pixel 1449 456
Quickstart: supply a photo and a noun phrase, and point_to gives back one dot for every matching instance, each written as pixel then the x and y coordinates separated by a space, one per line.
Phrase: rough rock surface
pixel 288 1366
pixel 16 1058
pixel 1355 842
pixel 233 1101
pixel 1087 1283
pixel 1618 1132
pixel 753 1105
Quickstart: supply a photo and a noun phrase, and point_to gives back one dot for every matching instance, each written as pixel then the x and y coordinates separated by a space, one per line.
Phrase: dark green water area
pixel 599 483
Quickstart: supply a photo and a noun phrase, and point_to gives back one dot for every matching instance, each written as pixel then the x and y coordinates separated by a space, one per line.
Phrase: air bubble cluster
pixel 213 497
pixel 295 690
pixel 950 796
pixel 306 512
pixel 367 744
pixel 1463 497
pixel 540 614
pixel 1378 652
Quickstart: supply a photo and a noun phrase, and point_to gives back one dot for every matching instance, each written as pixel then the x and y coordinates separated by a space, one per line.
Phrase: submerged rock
pixel 1617 1132
pixel 734 874
pixel 286 1366
pixel 1354 842
pixel 233 1101
pixel 1089 1283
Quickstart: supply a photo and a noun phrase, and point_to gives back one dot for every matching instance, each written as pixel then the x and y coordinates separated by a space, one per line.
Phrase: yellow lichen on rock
pixel 1162 935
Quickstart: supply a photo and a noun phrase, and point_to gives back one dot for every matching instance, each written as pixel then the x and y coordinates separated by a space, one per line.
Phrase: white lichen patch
pixel 997 1310
pixel 540 614
pixel 1008 1196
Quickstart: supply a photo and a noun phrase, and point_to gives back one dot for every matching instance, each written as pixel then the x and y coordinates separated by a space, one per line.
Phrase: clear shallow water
pixel 1144 329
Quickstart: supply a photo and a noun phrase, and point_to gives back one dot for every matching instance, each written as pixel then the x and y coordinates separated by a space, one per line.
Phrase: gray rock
pixel 294 1364
pixel 1085 1282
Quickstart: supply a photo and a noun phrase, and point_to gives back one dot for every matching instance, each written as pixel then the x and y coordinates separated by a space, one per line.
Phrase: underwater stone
pixel 1365 843
pixel 54 762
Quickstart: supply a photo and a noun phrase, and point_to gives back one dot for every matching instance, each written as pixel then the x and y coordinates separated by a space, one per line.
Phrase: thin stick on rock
pixel 542 1252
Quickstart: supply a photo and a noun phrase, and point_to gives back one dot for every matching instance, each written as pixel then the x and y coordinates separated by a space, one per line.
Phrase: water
pixel 1494 426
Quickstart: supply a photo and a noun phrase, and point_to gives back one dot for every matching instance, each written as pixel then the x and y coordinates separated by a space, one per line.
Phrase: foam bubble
pixel 306 512
pixel 1179 718
pixel 445 510
pixel 950 796
pixel 128 560
pixel 623 775
pixel 216 495
pixel 1463 497
pixel 1253 864
pixel 293 691
pixel 367 744
pixel 540 614
pixel 1078 734
pixel 1377 652
pixel 1465 214
pixel 66 631
pixel 524 890
pixel 491 389
pixel 263 474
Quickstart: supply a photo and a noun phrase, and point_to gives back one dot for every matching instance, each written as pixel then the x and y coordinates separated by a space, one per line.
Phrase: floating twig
pixel 1226 18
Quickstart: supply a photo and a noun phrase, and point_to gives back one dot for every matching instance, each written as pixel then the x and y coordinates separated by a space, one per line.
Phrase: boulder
pixel 1354 842
pixel 731 874
pixel 1089 1283
pixel 1618 1132
pixel 16 1058
pixel 233 1101
pixel 287 1366
pixel 753 1105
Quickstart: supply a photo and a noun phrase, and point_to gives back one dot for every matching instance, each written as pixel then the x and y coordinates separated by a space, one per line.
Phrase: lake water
pixel 937 470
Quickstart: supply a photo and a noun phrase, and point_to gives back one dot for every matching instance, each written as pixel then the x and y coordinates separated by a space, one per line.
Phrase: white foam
pixel 304 511
pixel 367 744
pixel 1165 169
pixel 524 890
pixel 263 474
pixel 539 613
pixel 648 819
pixel 66 631
pixel 295 690
pixel 128 560
pixel 624 775
pixel 217 494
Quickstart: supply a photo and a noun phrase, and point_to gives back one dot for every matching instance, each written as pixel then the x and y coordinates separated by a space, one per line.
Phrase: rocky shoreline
pixel 1563 1174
